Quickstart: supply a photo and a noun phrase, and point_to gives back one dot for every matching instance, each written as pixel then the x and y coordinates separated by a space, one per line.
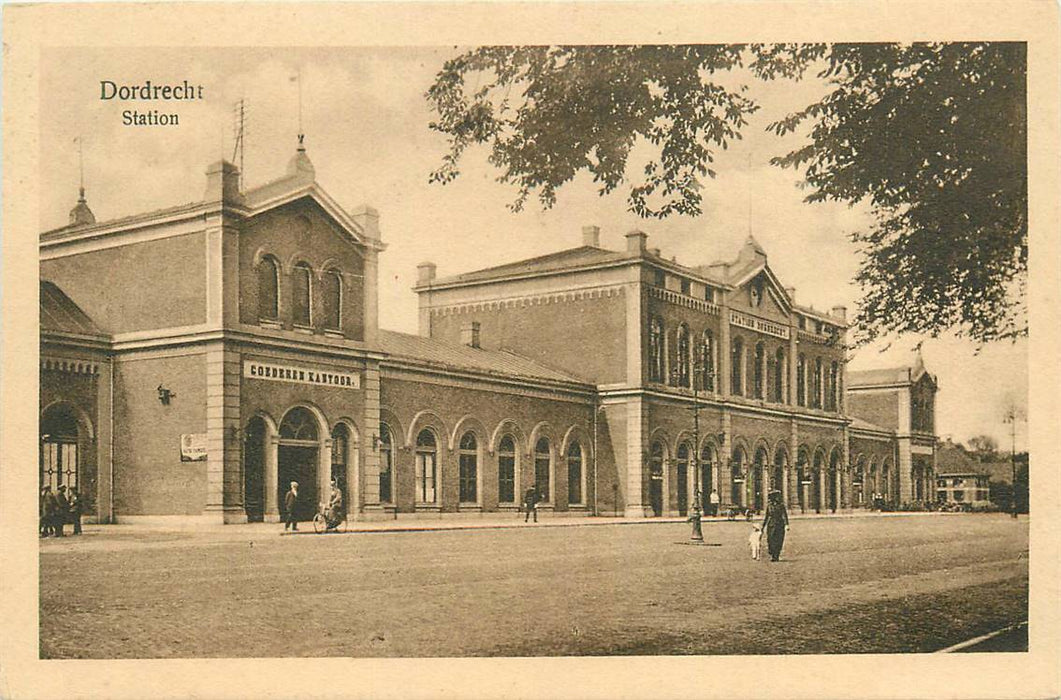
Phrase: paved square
pixel 845 585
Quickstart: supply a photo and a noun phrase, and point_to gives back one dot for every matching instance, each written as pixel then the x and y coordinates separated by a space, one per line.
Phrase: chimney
pixel 840 312
pixel 470 334
pixel 635 241
pixel 791 292
pixel 654 251
pixel 591 236
pixel 425 273
pixel 368 219
pixel 222 183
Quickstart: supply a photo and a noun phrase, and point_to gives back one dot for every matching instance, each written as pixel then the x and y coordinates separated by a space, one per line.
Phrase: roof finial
pixel 81 215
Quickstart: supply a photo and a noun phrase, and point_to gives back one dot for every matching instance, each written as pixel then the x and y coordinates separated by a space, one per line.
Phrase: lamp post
pixel 696 511
pixel 1011 415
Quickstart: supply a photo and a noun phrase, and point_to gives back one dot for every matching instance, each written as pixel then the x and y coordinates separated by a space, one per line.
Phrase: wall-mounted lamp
pixel 376 442
pixel 234 432
pixel 164 395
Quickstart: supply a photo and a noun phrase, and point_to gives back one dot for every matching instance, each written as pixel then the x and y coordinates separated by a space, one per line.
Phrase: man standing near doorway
pixel 530 502
pixel 290 508
pixel 714 502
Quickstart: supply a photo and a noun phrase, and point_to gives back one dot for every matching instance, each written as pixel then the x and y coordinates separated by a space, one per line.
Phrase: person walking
pixel 61 512
pixel 75 510
pixel 530 504
pixel 775 525
pixel 290 508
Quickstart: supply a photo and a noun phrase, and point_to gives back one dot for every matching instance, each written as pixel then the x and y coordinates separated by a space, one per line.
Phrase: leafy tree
pixel 932 136
pixel 984 447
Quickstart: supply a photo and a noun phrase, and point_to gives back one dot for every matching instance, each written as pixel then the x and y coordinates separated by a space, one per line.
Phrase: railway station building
pixel 196 359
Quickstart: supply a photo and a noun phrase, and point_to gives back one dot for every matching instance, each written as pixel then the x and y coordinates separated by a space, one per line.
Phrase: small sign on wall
pixel 193 447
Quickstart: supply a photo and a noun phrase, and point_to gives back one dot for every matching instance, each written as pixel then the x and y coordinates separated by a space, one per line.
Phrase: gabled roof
pixel 404 346
pixel 59 314
pixel 571 258
pixel 878 377
pixel 889 376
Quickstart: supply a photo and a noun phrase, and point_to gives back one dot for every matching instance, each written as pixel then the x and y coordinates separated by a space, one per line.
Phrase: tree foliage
pixel 932 136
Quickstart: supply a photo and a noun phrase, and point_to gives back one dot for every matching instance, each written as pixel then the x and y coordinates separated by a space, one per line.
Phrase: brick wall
pixel 485 409
pixel 137 287
pixel 149 477
pixel 301 231
pixel 582 336
pixel 880 408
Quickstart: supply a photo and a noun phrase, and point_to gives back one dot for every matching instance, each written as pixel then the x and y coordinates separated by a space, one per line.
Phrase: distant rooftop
pixel 456 356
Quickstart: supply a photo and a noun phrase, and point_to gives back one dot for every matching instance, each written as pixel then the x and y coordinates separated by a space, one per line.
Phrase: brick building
pixel 196 359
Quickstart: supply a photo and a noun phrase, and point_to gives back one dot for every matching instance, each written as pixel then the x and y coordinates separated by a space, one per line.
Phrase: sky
pixel 366 123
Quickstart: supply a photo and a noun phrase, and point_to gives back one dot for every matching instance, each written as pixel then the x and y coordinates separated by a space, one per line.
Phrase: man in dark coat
pixel 530 503
pixel 775 525
pixel 290 508
pixel 62 509
pixel 75 510
pixel 46 505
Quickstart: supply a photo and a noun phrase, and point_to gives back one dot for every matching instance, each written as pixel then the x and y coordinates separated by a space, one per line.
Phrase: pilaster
pixel 636 430
pixel 635 324
pixel 369 477
pixel 725 353
pixel 224 482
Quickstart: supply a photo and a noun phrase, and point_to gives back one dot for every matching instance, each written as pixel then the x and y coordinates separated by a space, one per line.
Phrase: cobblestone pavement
pixel 869 584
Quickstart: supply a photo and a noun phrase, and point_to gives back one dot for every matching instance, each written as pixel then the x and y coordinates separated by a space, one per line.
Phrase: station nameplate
pixel 301 375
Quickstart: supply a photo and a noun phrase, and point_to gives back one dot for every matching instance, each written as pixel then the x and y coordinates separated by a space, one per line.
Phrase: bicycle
pixel 323 523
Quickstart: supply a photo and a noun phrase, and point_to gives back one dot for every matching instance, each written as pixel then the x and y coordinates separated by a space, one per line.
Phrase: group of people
pixel 57 508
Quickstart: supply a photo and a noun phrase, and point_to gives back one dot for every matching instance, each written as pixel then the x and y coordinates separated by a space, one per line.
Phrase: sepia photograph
pixel 521 350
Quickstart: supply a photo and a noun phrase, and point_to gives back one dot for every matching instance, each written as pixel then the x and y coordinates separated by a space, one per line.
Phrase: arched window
pixel 816 397
pixel 707 481
pixel 760 371
pixel 801 380
pixel 574 473
pixel 469 468
pixel 736 367
pixel 834 385
pixel 779 376
pixel 681 365
pixel 506 470
pixel 655 350
pixel 340 458
pixel 736 477
pixel 426 467
pixel 386 465
pixel 299 424
pixel 684 455
pixel 332 290
pixel 269 289
pixel 301 286
pixel 59 437
pixel 707 361
pixel 543 463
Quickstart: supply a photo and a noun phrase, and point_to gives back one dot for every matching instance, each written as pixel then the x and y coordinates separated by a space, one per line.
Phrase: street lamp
pixel 696 369
pixel 1011 416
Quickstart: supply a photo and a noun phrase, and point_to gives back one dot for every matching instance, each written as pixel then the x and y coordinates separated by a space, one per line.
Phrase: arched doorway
pixel 297 459
pixel 816 482
pixel 833 486
pixel 738 491
pixel 777 478
pixel 758 485
pixel 59 458
pixel 655 478
pixel 254 437
pixel 341 457
pixel 683 478
pixel 803 479
pixel 707 481
pixel 858 484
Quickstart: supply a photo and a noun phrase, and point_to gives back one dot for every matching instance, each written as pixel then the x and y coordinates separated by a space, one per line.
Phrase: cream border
pixel 29 29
